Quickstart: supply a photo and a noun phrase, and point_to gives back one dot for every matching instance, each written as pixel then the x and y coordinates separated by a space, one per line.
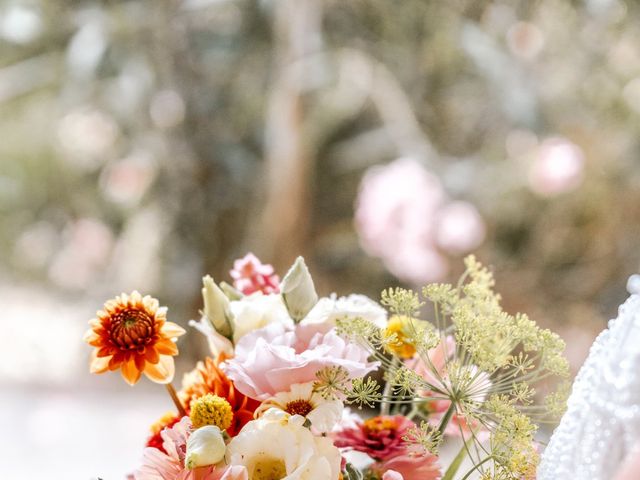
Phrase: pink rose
pixel 271 359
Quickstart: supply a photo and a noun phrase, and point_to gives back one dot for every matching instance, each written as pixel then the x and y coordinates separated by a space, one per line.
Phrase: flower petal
pixel 161 372
pixel 172 330
pixel 166 347
pixel 129 372
pixel 98 364
pixel 151 355
pixel 139 361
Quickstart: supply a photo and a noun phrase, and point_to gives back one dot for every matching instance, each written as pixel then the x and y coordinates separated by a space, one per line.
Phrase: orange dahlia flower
pixel 131 333
pixel 208 378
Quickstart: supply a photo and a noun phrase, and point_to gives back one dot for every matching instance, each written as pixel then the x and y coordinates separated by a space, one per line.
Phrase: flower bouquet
pixel 307 388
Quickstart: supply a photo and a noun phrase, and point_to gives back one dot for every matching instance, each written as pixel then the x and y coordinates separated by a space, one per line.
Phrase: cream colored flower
pixel 205 447
pixel 256 311
pixel 301 400
pixel 247 314
pixel 277 445
pixel 329 309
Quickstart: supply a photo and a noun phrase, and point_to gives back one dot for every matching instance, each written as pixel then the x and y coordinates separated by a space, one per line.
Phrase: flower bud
pixel 298 292
pixel 230 291
pixel 205 447
pixel 216 307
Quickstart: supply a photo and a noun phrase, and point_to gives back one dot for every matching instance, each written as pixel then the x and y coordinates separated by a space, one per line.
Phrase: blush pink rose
pixel 271 359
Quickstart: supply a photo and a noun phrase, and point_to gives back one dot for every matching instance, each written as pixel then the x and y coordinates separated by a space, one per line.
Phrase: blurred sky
pixel 144 143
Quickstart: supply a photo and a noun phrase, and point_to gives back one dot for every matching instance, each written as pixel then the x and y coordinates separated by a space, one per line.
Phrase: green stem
pixel 475 467
pixel 455 465
pixel 447 417
pixel 386 404
pixel 414 411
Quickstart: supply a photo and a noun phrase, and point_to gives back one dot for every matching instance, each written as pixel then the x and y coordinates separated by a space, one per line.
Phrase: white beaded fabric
pixel 602 422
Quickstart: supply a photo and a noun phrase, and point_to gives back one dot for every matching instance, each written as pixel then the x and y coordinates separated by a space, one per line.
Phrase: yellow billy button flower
pixel 399 332
pixel 211 410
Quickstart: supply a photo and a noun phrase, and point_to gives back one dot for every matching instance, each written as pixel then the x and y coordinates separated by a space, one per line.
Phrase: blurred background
pixel 144 143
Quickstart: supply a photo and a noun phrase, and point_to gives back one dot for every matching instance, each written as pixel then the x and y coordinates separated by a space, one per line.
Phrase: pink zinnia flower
pixel 379 437
pixel 157 465
pixel 271 359
pixel 250 276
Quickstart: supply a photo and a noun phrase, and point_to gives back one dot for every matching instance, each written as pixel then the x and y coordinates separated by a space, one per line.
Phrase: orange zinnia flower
pixel 132 333
pixel 208 378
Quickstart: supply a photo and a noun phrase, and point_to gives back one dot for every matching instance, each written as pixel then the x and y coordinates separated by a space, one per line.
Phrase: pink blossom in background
pixel 85 252
pixel 250 275
pixel 269 360
pixel 403 216
pixel 558 167
pixel 460 228
pixel 417 264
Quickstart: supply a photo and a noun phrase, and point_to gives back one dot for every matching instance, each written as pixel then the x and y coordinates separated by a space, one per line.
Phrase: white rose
pixel 279 446
pixel 256 311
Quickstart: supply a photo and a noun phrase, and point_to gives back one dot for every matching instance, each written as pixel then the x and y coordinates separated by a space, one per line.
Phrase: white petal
pixel 326 415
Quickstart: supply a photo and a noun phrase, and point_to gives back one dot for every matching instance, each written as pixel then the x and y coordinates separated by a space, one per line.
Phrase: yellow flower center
pixel 268 468
pixel 211 410
pixel 377 424
pixel 299 407
pixel 162 422
pixel 402 327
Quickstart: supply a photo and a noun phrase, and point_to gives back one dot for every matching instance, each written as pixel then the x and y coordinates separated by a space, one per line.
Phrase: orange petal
pixel 139 361
pixel 151 355
pixel 106 351
pixel 172 330
pixel 129 372
pixel 98 364
pixel 166 347
pixel 116 360
pixel 161 372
